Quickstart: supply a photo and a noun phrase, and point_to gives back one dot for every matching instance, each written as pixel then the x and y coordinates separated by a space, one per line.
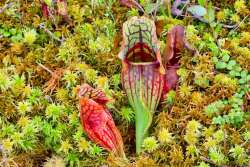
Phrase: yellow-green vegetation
pixel 205 122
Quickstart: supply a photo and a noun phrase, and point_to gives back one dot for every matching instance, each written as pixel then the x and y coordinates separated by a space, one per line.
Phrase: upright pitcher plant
pixel 142 73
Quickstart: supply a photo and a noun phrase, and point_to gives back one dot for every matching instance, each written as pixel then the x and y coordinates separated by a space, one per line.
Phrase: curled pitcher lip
pixel 143 63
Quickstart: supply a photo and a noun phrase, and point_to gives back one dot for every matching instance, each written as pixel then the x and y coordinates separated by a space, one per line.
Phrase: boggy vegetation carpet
pixel 205 122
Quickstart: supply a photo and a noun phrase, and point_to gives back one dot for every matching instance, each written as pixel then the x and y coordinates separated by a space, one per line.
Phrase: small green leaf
pixel 197 10
pixel 220 65
pixel 16 38
pixel 202 81
pixel 58 34
pixel 237 74
pixel 229 67
pixel 232 73
pixel 6 34
pixel 218 120
pixel 242 81
pixel 248 77
pixel 13 31
pixel 215 59
pixel 170 97
pixel 238 68
pixel 232 62
pixel 243 74
pixel 225 57
pixel 202 2
pixel 1 31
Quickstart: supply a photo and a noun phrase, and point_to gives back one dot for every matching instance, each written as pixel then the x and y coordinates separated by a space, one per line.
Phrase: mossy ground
pixel 43 60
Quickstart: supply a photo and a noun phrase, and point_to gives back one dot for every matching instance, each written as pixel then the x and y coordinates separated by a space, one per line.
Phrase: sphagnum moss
pixel 204 122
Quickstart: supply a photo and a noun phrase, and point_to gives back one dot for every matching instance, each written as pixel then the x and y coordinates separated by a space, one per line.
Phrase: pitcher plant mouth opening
pixel 140 53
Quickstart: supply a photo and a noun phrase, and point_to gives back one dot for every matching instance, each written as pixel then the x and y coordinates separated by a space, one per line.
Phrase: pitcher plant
pixel 142 73
pixel 97 121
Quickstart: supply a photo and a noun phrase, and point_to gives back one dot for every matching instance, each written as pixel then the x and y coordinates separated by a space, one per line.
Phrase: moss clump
pixel 43 60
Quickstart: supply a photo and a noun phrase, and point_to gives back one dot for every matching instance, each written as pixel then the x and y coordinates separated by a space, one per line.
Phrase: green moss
pixel 204 122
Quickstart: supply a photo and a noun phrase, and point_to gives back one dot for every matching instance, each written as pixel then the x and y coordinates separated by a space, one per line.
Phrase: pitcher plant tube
pixel 146 77
pixel 97 121
pixel 142 73
pixel 175 45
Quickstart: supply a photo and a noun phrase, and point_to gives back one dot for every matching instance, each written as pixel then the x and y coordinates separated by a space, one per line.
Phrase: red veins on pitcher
pixel 97 121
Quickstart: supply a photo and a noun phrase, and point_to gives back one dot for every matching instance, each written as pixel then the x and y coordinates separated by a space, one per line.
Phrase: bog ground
pixel 49 48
